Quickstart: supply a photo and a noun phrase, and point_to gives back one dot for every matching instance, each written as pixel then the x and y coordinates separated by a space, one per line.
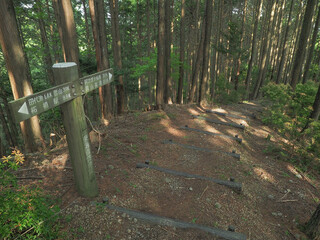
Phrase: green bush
pixel 25 212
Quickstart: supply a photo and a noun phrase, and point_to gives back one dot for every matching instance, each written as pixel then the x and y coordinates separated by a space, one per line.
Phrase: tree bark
pixel 305 31
pixel 45 44
pixel 182 43
pixel 283 55
pixel 206 51
pixel 313 225
pixel 311 50
pixel 97 14
pixel 67 31
pixel 253 46
pixel 116 46
pixel 265 48
pixel 161 74
pixel 238 62
pixel 168 39
pixel 19 72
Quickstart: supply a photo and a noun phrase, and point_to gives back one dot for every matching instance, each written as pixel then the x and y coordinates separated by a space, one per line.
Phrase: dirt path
pixel 274 200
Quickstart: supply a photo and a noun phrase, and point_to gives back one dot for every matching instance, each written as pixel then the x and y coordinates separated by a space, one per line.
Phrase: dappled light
pixel 264 175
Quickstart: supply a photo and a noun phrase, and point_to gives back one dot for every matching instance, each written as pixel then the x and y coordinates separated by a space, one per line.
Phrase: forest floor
pixel 276 197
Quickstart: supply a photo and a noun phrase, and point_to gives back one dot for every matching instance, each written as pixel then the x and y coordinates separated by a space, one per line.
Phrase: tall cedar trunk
pixel 161 69
pixel 139 32
pixel 182 43
pixel 283 55
pixel 197 66
pixel 266 49
pixel 313 225
pixel 168 36
pixel 311 50
pixel 5 128
pixel 253 46
pixel 206 47
pixel 116 47
pixel 305 31
pixel 316 107
pixel 45 44
pixel 18 71
pixel 238 62
pixel 149 43
pixel 67 32
pixel 55 44
pixel 97 14
pixel 88 38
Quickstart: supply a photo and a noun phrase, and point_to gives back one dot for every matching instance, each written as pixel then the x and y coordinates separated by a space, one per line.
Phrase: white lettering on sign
pixel 56 101
pixel 34 110
pixel 47 95
pixel 45 105
pixel 35 100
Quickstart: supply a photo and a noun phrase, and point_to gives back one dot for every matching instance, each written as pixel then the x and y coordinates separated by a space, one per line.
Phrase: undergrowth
pixel 25 211
pixel 288 112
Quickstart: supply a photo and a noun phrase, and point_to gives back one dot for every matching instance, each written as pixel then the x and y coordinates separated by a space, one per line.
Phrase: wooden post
pixel 77 133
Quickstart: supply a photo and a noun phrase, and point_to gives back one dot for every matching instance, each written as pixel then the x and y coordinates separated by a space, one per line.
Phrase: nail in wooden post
pixel 77 133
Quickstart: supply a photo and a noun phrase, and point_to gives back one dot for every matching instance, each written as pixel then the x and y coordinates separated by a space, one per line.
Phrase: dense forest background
pixel 163 52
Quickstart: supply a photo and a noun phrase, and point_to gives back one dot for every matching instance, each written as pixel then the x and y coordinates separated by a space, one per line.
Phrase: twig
pixel 203 192
pixel 99 133
pixel 288 200
pixel 169 231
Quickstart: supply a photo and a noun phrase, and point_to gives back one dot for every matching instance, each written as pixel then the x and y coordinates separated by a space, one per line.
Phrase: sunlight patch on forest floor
pixel 264 175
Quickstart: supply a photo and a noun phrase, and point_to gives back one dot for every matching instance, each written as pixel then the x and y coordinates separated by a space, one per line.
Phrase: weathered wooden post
pixel 76 131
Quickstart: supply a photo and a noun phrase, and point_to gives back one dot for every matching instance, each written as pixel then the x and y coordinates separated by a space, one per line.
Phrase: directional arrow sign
pixel 27 107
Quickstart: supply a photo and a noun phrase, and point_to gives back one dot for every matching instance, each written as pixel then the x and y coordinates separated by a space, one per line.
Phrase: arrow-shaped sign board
pixel 29 106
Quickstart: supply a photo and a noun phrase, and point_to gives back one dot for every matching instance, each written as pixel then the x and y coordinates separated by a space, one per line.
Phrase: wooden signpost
pixel 67 95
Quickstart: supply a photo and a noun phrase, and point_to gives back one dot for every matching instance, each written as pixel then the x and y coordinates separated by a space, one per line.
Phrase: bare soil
pixel 275 200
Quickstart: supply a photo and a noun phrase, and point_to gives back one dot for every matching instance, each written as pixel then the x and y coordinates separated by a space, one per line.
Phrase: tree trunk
pixel 305 31
pixel 55 43
pixel 161 69
pixel 168 39
pixel 97 14
pixel 311 50
pixel 253 46
pixel 116 47
pixel 266 48
pixel 19 72
pixel 197 66
pixel 238 61
pixel 45 44
pixel 88 38
pixel 283 55
pixel 67 31
pixel 182 43
pixel 207 21
pixel 313 225
pixel 5 128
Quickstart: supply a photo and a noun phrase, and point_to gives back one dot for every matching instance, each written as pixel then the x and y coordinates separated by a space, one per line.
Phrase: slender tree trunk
pixel 55 44
pixel 253 46
pixel 45 44
pixel 168 36
pixel 161 55
pixel 306 27
pixel 283 55
pixel 182 43
pixel 238 61
pixel 5 128
pixel 19 72
pixel 206 46
pixel 68 34
pixel 97 13
pixel 88 38
pixel 266 49
pixel 311 50
pixel 116 46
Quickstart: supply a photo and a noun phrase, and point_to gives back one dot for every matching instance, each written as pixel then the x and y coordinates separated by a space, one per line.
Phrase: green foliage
pixel 289 112
pixel 25 212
